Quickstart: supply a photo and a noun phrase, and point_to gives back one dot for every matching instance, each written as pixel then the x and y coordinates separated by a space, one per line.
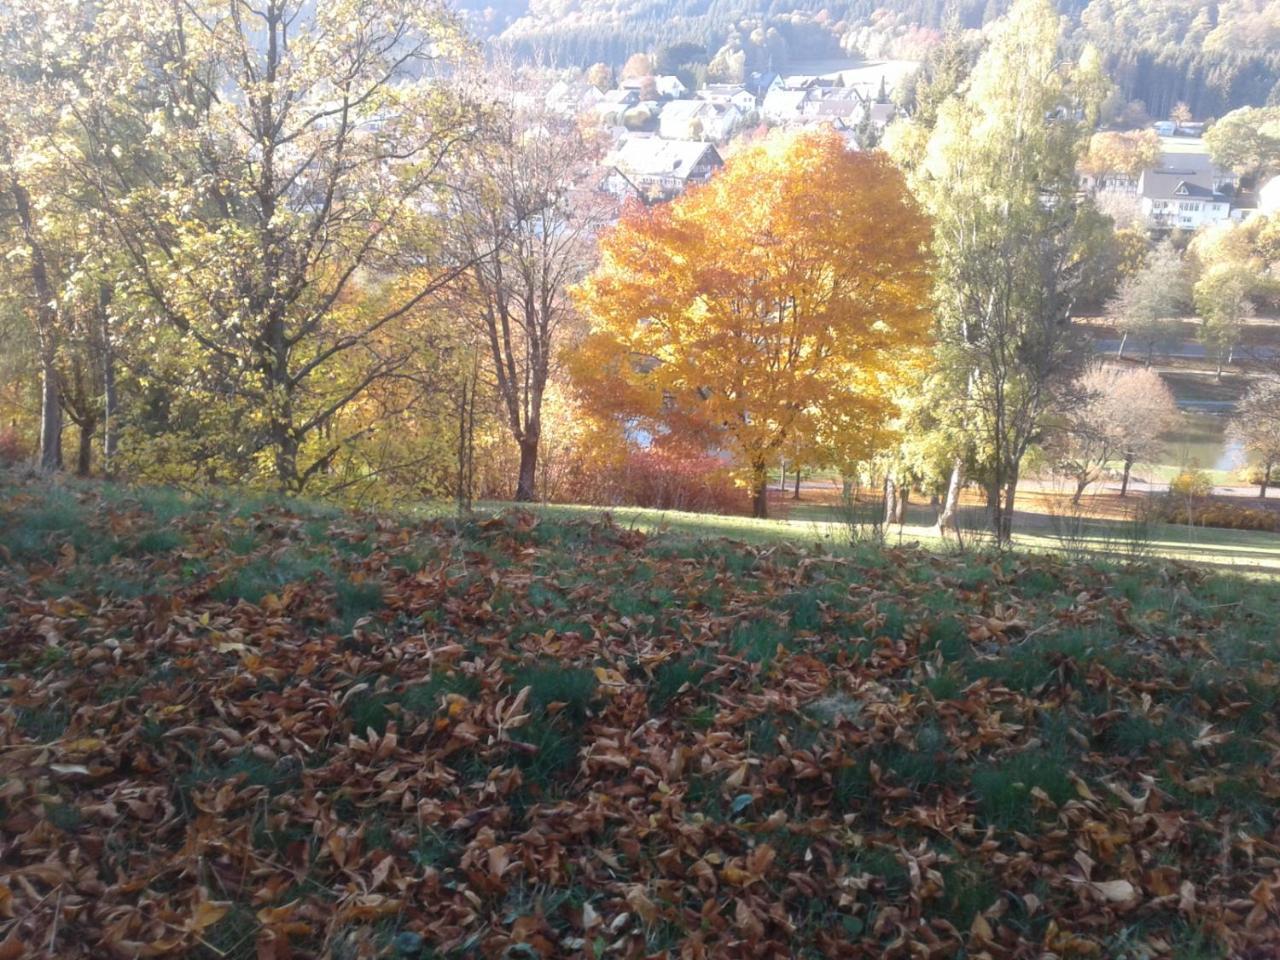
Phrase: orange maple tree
pixel 783 302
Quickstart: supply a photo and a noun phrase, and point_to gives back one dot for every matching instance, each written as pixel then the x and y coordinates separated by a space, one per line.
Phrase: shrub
pixel 12 449
pixel 1191 482
pixel 1208 512
pixel 666 479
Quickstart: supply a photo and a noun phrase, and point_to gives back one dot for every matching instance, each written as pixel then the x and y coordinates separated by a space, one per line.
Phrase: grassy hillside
pixel 238 728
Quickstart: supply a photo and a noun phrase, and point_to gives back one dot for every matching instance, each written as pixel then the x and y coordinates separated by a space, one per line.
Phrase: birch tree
pixel 272 172
pixel 1012 240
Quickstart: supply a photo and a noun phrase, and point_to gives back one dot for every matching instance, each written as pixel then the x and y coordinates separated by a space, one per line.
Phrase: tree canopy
pixel 744 326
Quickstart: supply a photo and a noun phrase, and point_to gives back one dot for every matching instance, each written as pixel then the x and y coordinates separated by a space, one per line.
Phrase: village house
pixel 655 169
pixel 614 103
pixel 1184 201
pixel 1269 197
pixel 1185 190
pixel 571 98
pixel 698 120
pixel 666 87
pixel 734 94
pixel 782 106
pixel 832 103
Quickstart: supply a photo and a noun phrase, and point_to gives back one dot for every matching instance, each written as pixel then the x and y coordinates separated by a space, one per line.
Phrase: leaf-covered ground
pixel 242 729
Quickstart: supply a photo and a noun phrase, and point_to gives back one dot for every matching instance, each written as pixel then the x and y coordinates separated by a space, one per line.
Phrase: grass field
pixel 242 728
pixel 811 522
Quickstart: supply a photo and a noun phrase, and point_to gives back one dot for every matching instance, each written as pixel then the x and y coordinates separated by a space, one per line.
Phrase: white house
pixel 698 120
pixel 782 105
pixel 1185 201
pixel 729 93
pixel 656 169
pixel 832 103
pixel 1269 197
pixel 569 98
pixel 614 103
pixel 666 86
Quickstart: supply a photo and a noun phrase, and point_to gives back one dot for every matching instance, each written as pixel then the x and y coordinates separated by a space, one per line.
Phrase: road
pixel 1185 350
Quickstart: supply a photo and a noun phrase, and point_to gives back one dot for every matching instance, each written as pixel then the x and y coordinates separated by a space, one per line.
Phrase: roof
pixel 679 110
pixel 882 112
pixel 723 89
pixel 663 158
pixel 1158 185
pixel 780 98
pixel 618 95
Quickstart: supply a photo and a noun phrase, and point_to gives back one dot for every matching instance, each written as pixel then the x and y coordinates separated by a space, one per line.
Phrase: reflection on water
pixel 1232 457
pixel 1199 439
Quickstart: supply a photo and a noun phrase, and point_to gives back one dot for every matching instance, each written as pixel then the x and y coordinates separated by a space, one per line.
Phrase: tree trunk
pixel 84 450
pixel 760 497
pixel 1123 340
pixel 782 474
pixel 948 519
pixel 900 503
pixel 890 498
pixel 796 495
pixel 1266 478
pixel 526 483
pixel 1006 515
pixel 109 402
pixel 1124 482
pixel 50 417
pixel 1080 487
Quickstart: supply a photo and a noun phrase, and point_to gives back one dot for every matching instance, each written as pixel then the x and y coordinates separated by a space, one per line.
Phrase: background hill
pixel 1213 56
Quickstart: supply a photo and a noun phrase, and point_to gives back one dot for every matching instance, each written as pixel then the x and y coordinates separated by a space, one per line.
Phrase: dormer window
pixel 1182 190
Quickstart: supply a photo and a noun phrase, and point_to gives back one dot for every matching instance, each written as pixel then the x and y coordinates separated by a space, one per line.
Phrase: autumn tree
pixel 44 245
pixel 637 65
pixel 1148 301
pixel 1118 414
pixel 523 214
pixel 270 172
pixel 744 325
pixel 1256 427
pixel 600 76
pixel 1013 242
pixel 1128 153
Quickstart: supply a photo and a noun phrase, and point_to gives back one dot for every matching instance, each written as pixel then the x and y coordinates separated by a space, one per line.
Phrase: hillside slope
pixel 238 728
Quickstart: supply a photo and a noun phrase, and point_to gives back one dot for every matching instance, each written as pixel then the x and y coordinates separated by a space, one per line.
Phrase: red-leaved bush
pixel 666 479
pixel 12 449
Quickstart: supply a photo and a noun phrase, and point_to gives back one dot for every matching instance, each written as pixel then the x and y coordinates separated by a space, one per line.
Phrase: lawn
pixel 814 522
pixel 248 728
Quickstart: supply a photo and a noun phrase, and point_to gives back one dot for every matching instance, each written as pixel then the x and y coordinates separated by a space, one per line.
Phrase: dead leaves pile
pixel 574 740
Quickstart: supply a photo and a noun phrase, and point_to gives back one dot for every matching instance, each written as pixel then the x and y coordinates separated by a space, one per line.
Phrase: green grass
pixel 690 695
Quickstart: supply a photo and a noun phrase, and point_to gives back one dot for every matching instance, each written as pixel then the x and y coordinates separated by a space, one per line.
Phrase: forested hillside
pixel 1213 56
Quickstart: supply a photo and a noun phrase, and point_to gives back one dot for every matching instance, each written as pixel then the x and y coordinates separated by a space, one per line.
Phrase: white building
pixel 782 105
pixel 656 169
pixel 698 120
pixel 729 93
pixel 1184 201
pixel 1269 197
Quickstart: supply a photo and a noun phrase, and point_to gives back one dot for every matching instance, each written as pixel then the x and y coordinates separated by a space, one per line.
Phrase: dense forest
pixel 1215 57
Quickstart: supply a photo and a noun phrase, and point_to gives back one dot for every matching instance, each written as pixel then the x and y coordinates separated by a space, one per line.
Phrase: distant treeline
pixel 1214 57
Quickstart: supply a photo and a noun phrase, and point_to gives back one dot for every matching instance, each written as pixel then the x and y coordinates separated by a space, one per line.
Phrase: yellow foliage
pixel 781 302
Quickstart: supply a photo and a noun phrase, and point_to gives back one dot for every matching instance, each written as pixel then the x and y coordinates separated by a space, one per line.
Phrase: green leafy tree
pixel 1246 140
pixel 1148 300
pixel 1222 298
pixel 1012 241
